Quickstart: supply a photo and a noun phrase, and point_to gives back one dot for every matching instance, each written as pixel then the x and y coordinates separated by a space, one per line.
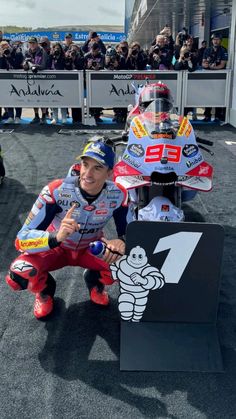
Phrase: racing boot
pixel 43 305
pixel 99 297
pixel 96 288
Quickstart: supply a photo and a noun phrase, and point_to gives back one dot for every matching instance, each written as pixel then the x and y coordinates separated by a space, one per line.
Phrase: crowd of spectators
pixel 164 53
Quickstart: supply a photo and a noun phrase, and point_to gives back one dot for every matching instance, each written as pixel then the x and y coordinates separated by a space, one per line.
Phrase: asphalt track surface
pixel 68 367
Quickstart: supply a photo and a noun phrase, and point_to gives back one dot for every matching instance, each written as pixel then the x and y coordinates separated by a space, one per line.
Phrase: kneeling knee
pixel 16 282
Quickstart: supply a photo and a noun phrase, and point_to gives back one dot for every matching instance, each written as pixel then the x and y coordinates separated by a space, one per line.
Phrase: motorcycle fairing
pixel 144 155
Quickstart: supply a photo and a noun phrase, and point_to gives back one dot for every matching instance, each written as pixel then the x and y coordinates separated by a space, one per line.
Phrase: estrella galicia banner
pixel 60 36
pixel 45 89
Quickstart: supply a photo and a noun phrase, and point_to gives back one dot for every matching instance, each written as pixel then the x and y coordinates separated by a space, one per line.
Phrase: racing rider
pixel 67 215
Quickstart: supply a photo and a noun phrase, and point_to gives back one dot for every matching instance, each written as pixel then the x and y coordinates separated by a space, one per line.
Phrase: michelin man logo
pixel 136 277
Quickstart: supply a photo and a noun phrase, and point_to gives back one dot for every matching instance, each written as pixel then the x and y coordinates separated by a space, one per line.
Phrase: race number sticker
pixel 154 153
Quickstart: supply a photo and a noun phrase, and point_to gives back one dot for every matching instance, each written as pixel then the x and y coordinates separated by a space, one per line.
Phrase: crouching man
pixel 67 215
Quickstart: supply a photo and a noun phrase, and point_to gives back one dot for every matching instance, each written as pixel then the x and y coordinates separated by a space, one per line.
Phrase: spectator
pixel 181 38
pixel 93 38
pixel 169 41
pixel 11 59
pixel 68 41
pixel 95 60
pixel 113 62
pixel 160 58
pixel 57 58
pixel 215 58
pixel 137 59
pixel 123 51
pixel 75 61
pixel 45 43
pixel 187 61
pixel 36 55
pixel 201 52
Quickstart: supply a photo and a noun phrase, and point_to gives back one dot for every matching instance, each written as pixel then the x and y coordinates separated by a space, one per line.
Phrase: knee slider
pixel 16 282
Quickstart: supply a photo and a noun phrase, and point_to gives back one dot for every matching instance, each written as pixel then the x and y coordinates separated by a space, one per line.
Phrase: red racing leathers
pixel 41 252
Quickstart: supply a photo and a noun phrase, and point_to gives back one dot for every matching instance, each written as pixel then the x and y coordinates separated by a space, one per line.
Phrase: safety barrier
pixel 46 89
pixel 206 89
pixel 111 89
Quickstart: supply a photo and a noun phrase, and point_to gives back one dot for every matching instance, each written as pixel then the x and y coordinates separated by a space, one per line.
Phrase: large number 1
pixel 181 246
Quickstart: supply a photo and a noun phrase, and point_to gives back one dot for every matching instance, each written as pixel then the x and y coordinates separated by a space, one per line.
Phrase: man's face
pixel 95 52
pixel 93 175
pixel 216 42
pixel 33 46
pixel 68 41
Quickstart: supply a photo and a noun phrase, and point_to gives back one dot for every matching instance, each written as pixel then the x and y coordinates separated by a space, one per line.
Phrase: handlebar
pixel 119 140
pixel 203 141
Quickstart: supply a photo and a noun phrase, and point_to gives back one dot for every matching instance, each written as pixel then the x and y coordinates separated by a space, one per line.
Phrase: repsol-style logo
pixel 190 163
pixel 136 150
pixel 190 150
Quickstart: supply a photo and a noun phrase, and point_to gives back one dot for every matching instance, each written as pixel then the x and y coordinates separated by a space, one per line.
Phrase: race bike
pixel 162 164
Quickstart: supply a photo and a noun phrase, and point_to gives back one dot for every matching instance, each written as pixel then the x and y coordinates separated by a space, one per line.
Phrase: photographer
pixel 137 59
pixel 57 58
pixel 95 60
pixel 181 38
pixel 74 60
pixel 93 38
pixel 112 59
pixel 160 58
pixel 113 62
pixel 36 59
pixel 215 58
pixel 11 59
pixel 123 51
pixel 186 61
pixel 169 41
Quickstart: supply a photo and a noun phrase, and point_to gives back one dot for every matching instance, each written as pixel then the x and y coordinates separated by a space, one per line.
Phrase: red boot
pixel 100 298
pixel 42 306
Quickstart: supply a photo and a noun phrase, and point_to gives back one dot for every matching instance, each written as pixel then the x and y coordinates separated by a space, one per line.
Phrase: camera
pixel 134 52
pixel 183 36
pixel 6 52
pixel 156 49
pixel 56 53
pixel 28 65
pixel 187 55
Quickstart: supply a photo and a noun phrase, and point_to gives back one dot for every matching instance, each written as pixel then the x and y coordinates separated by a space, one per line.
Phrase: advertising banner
pixel 44 89
pixel 116 88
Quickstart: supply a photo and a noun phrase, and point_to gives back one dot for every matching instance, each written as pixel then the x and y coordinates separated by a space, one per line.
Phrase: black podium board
pixel 176 330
